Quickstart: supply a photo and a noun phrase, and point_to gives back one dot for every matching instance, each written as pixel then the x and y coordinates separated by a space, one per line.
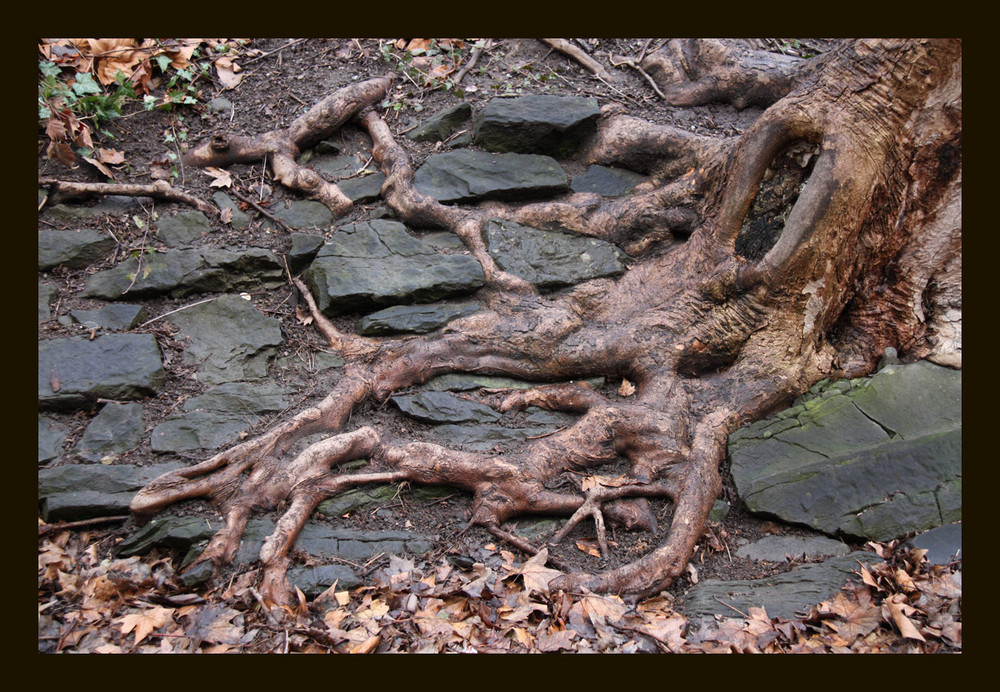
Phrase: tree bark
pixel 829 231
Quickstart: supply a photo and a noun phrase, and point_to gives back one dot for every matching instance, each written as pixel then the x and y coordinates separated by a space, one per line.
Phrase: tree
pixel 830 230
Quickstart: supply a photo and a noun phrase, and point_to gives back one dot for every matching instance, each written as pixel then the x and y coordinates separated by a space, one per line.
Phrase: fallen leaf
pixel 99 166
pixel 111 157
pixel 589 546
pixel 367 646
pixel 220 177
pixel 536 575
pixel 627 388
pixel 144 622
pixel 228 72
pixel 899 610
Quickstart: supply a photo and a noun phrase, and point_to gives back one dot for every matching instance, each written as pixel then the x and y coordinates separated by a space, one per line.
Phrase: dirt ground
pixel 274 90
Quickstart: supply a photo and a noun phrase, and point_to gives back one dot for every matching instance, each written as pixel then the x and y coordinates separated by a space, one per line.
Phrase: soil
pixel 274 90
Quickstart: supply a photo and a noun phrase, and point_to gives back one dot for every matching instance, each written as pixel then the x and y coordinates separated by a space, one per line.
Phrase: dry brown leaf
pixel 589 546
pixel 627 388
pixel 99 166
pixel 144 622
pixel 367 646
pixel 112 157
pixel 899 610
pixel 536 575
pixel 228 72
pixel 220 177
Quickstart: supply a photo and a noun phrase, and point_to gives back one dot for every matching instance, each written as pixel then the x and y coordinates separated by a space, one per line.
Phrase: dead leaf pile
pixel 482 602
pixel 142 62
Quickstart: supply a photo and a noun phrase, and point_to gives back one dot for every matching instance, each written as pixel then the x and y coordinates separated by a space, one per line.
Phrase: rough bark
pixel 829 231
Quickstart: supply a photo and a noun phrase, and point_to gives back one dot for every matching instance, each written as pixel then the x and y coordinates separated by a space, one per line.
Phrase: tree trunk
pixel 828 232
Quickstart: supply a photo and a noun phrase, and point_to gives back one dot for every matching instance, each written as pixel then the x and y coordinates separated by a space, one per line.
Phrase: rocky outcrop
pixel 876 458
pixel 537 124
pixel 76 372
pixel 470 176
pixel 376 264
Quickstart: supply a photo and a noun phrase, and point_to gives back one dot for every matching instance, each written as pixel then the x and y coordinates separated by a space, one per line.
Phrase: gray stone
pixel 303 250
pixel 782 596
pixel 317 539
pixel 943 544
pixel 179 273
pixel 442 407
pixel 468 176
pixel 364 188
pixel 550 259
pixel 606 181
pixel 483 438
pixel 720 508
pixel 239 219
pixel 242 397
pixel 439 126
pixel 537 123
pixel 333 167
pixel 198 430
pixel 220 105
pixel 304 213
pixel 51 438
pixel 314 580
pixel 377 263
pixel 75 372
pixel 118 428
pixel 780 548
pixel 218 416
pixel 413 319
pixel 112 205
pixel 358 498
pixel 72 249
pixel 876 457
pixel 183 228
pixel 230 339
pixel 46 294
pixel 84 491
pixel 117 316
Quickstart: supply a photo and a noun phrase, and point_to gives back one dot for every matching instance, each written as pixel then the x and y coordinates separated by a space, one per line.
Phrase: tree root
pixel 60 190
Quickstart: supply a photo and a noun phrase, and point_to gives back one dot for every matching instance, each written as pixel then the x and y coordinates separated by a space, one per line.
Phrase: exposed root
pixel 60 190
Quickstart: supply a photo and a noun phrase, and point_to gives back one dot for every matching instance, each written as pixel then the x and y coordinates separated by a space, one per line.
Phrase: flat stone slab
pixel 875 457
pixel 943 544
pixel 439 126
pixel 183 228
pixel 85 491
pixel 118 428
pixel 116 316
pixel 72 249
pixel 304 214
pixel 413 319
pixel 606 181
pixel 218 416
pixel 780 548
pixel 442 407
pixel 191 533
pixel 550 259
pixel 51 437
pixel 229 339
pixel 375 264
pixel 468 176
pixel 74 372
pixel 179 273
pixel 46 294
pixel 537 123
pixel 782 596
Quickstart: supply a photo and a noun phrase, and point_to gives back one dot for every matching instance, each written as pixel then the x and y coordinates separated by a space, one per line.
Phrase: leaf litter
pixel 93 603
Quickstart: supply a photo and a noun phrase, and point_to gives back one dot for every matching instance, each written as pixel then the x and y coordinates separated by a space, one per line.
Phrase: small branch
pixel 591 65
pixel 149 322
pixel 275 51
pixel 261 210
pixel 46 529
pixel 473 59
pixel 61 189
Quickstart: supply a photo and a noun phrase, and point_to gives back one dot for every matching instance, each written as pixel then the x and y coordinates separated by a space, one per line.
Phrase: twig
pixel 263 606
pixel 148 322
pixel 733 607
pixel 473 59
pixel 161 189
pixel 591 65
pixel 46 529
pixel 276 50
pixel 261 210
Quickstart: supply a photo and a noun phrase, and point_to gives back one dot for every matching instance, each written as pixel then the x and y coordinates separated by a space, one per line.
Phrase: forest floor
pixel 472 593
